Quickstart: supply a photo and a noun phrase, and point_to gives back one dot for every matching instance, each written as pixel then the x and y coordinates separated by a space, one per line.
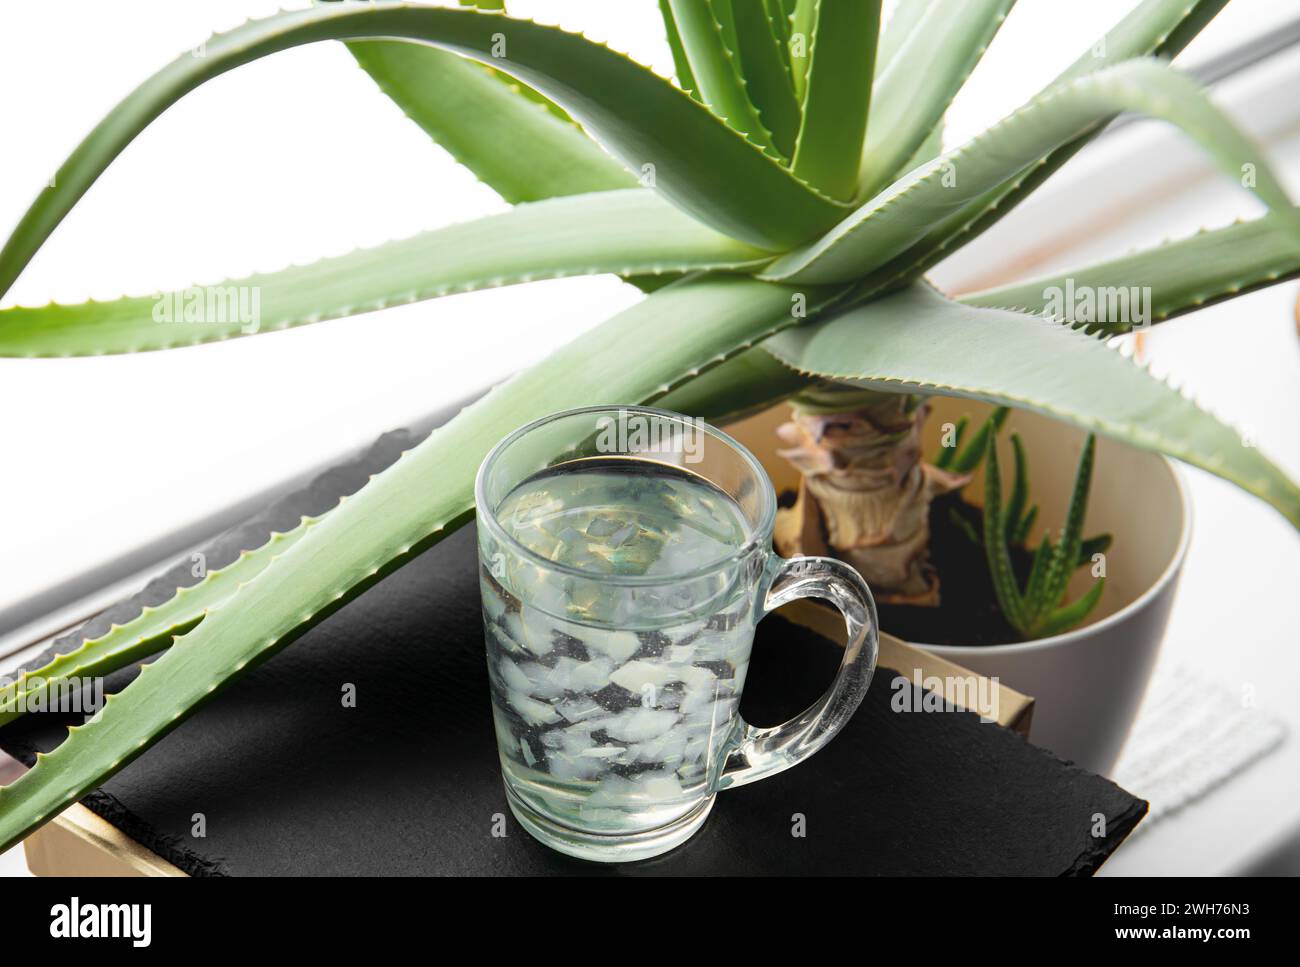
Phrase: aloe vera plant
pixel 780 204
pixel 1037 609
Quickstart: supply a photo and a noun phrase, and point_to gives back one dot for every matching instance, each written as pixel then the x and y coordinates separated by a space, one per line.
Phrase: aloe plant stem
pixel 859 455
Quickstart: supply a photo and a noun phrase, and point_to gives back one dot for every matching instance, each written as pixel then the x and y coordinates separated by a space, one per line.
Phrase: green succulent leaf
pixel 901 215
pixel 1180 276
pixel 802 19
pixel 899 31
pixel 837 95
pixel 918 341
pixel 638 355
pixel 697 161
pixel 930 149
pixel 1154 28
pixel 512 138
pixel 1067 616
pixel 743 385
pixel 488 123
pixel 764 63
pixel 681 63
pixel 972 453
pixel 150 631
pixel 949 37
pixel 1019 489
pixel 716 69
pixel 523 90
pixel 1035 613
pixel 723 14
pixel 624 232
pixel 995 540
pixel 1066 555
pixel 1037 575
pixel 778 18
pixel 967 529
pixel 1021 533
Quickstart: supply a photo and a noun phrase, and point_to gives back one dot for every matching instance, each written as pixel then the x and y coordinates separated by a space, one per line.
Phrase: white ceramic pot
pixel 1087 683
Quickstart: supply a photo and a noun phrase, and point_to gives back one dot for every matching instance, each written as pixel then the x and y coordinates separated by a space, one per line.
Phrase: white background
pixel 300 156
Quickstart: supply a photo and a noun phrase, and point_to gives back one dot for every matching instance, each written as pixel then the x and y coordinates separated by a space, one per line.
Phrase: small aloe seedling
pixel 1038 610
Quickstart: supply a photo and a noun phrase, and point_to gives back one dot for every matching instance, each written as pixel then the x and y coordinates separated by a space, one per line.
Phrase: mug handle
pixel 757 753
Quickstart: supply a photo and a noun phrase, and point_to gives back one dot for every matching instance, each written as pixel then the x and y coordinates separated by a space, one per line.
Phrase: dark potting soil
pixel 968 612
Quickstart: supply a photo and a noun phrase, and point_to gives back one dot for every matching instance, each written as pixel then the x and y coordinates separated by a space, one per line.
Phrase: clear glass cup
pixel 625 558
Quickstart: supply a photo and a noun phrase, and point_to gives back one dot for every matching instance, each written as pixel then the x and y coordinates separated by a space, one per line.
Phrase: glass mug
pixel 625 558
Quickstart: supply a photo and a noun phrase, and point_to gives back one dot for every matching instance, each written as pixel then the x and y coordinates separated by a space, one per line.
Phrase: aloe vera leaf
pixel 1156 27
pixel 1019 488
pixel 918 341
pixel 767 72
pixel 487 123
pixel 967 529
pixel 943 459
pixel 522 90
pixel 902 214
pixel 717 71
pixel 802 19
pixel 699 163
pixel 1025 526
pixel 972 453
pixel 151 630
pixel 902 24
pixel 681 63
pixel 949 38
pixel 1159 28
pixel 837 95
pixel 1179 276
pixel 995 540
pixel 490 123
pixel 743 385
pixel 625 232
pixel 1067 616
pixel 778 18
pixel 1067 549
pixel 723 13
pixel 930 149
pixel 1033 598
pixel 638 355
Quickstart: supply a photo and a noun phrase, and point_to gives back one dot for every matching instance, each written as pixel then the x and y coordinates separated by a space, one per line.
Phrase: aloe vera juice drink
pixel 602 725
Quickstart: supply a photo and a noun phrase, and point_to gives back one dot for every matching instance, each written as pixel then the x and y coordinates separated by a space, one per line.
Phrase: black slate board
pixel 291 782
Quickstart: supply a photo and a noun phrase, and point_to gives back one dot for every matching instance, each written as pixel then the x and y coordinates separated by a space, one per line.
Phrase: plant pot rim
pixel 1167 575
